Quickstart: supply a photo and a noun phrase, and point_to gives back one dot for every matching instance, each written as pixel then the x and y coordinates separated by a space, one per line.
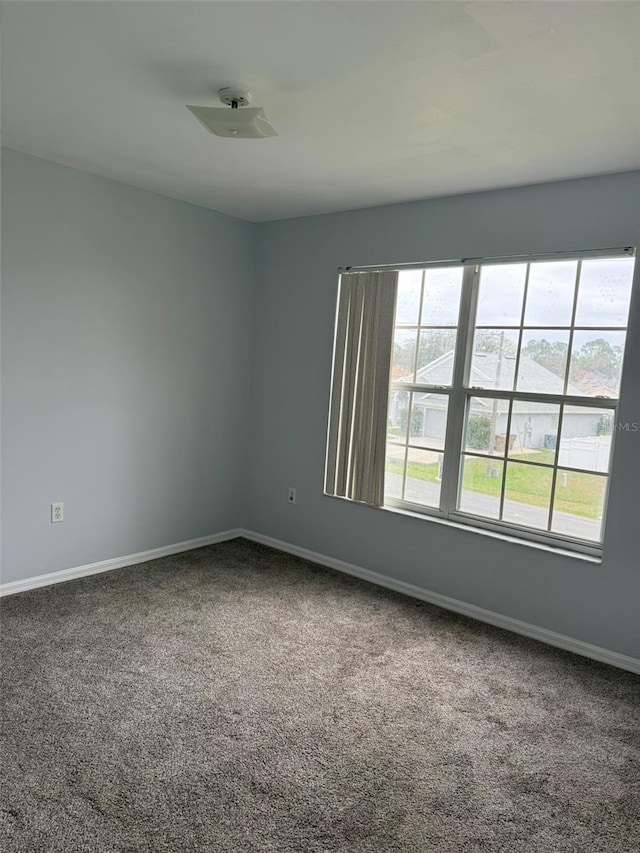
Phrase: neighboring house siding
pixel 576 425
pixel 534 429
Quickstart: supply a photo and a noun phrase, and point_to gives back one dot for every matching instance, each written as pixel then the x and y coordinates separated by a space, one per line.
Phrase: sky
pixel 604 291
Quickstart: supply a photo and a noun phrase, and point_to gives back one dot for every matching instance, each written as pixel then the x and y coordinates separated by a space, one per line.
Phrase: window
pixel 499 385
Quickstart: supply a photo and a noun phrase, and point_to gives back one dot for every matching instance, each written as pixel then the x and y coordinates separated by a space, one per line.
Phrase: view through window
pixel 504 389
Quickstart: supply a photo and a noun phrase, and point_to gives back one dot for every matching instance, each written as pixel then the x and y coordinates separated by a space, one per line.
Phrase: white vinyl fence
pixel 591 453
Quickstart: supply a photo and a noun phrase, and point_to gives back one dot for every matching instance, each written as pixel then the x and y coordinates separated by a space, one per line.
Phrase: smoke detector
pixel 238 120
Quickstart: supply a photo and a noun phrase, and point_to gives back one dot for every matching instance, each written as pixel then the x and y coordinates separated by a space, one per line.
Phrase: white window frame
pixel 459 392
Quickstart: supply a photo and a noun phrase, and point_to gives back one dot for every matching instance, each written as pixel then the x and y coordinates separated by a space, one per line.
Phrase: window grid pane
pixel 579 504
pixel 423 477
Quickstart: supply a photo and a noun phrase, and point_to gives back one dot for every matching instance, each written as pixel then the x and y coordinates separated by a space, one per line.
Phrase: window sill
pixel 495 534
pixel 557 550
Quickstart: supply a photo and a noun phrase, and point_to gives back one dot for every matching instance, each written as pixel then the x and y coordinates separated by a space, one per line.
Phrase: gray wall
pixel 293 336
pixel 127 349
pixel 125 365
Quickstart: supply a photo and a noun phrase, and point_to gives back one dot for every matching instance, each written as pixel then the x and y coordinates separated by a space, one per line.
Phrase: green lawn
pixel 526 484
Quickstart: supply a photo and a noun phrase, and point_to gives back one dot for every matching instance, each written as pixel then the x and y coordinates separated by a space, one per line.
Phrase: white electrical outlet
pixel 292 495
pixel 57 512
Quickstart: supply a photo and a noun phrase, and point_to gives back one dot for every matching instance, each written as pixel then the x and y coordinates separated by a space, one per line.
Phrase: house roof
pixel 487 372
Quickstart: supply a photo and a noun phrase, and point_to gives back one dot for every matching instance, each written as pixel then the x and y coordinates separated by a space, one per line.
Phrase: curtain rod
pixel 581 253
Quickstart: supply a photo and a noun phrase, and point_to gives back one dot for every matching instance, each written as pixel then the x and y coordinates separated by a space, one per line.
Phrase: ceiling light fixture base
pixel 234 97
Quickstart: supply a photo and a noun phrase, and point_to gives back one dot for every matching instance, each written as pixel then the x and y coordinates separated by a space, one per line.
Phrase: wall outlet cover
pixel 57 512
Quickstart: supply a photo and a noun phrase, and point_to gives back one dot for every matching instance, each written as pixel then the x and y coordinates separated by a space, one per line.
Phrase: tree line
pixel 596 362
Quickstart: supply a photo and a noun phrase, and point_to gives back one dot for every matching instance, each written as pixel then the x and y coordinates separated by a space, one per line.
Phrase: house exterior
pixel 586 431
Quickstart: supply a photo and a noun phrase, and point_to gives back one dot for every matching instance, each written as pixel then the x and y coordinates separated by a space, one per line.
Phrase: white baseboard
pixel 515 625
pixel 116 563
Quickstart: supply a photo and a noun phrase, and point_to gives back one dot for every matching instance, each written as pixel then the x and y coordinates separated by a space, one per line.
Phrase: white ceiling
pixel 375 102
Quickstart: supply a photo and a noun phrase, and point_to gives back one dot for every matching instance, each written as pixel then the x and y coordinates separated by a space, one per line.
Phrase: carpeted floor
pixel 238 699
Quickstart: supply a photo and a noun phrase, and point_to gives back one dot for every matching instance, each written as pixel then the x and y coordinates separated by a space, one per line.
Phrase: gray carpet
pixel 238 699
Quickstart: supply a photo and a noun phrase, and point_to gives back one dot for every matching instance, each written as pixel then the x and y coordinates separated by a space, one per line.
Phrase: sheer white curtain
pixel 360 386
